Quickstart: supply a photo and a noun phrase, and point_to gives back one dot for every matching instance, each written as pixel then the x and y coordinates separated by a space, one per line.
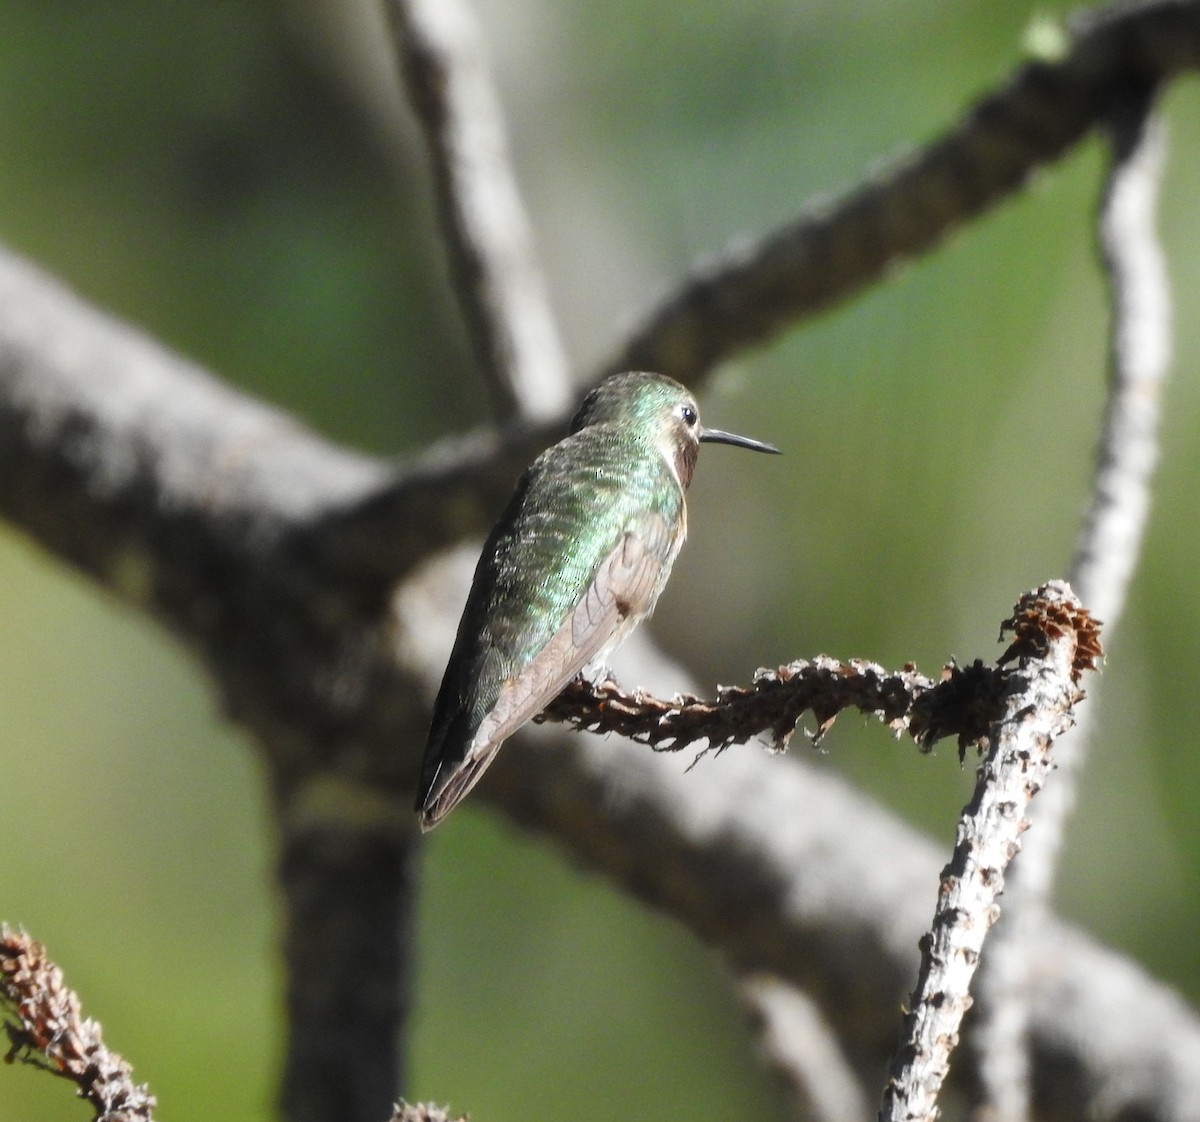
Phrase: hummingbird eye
pixel 688 413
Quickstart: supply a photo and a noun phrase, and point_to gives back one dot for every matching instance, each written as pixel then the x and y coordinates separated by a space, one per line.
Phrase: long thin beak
pixel 717 436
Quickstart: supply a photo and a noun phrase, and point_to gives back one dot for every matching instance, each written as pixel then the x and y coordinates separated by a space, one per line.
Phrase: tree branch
pixel 752 292
pixel 47 1030
pixel 199 506
pixel 962 704
pixel 803 1052
pixel 1105 559
pixel 1056 641
pixel 111 448
pixel 499 284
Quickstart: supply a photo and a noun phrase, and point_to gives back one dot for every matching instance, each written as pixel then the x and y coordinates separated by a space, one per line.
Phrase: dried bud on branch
pixel 964 703
pixel 46 1029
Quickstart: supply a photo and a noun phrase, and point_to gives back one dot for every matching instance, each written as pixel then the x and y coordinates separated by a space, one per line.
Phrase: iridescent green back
pixel 571 508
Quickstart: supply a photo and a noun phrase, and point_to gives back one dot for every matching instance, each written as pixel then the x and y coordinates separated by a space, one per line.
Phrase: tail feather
pixel 450 785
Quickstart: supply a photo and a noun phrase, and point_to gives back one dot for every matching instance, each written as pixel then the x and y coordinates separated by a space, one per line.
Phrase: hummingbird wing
pixel 621 593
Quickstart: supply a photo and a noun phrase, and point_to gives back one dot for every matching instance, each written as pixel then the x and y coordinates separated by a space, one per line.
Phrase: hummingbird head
pixel 664 411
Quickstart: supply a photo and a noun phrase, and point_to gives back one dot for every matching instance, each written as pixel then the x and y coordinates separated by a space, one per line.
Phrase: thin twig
pixel 800 1047
pixel 752 292
pixel 962 704
pixel 47 1030
pixel 1055 642
pixel 499 284
pixel 1106 557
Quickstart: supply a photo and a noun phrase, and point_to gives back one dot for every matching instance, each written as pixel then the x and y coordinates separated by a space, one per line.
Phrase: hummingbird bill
pixel 577 560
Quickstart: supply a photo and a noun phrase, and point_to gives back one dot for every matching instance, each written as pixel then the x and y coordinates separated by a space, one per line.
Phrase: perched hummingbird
pixel 577 560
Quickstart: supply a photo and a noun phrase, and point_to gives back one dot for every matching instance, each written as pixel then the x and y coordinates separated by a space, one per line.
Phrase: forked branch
pixel 966 702
pixel 1056 640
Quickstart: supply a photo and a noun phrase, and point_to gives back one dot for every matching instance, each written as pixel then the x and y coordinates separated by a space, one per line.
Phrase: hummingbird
pixel 577 560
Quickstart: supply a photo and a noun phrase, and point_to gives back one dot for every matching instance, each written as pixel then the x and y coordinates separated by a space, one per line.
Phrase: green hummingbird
pixel 577 560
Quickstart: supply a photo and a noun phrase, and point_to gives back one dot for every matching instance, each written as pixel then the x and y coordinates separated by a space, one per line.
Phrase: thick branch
pixel 784 869
pixel 199 506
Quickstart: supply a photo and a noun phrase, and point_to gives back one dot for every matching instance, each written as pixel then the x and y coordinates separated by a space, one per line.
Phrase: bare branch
pixel 1056 640
pixel 347 872
pixel 1111 539
pixel 106 435
pixel 832 250
pixel 799 1046
pixel 200 506
pixel 499 284
pixel 751 293
pixel 452 491
pixel 48 1030
pixel 787 870
pixel 1106 557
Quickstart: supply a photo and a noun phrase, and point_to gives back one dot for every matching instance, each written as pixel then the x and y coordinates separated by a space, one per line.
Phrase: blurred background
pixel 239 178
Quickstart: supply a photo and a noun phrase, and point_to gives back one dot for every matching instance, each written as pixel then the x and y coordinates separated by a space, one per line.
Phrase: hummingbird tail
pixel 447 792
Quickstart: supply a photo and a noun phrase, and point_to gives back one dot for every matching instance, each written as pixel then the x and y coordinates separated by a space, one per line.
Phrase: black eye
pixel 688 413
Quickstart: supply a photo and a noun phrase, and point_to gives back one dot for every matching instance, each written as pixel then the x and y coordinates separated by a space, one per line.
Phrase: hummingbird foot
pixel 601 674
